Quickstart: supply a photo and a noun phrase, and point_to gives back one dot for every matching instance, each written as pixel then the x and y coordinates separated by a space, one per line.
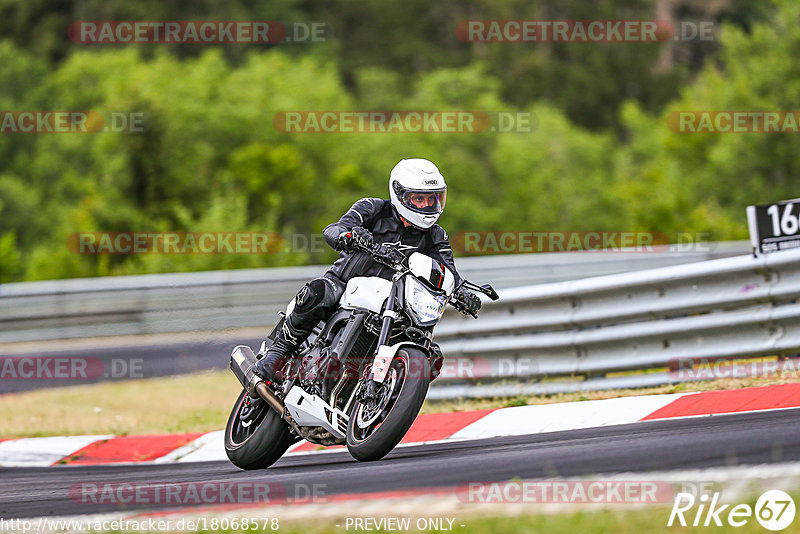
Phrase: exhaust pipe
pixel 242 362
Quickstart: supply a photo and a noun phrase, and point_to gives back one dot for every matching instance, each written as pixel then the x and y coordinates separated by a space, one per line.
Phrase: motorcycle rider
pixel 418 193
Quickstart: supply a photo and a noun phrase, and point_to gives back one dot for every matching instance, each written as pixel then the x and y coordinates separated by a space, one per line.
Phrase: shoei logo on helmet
pixel 431 182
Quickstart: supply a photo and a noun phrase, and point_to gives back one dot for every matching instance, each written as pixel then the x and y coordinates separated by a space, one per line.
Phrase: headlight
pixel 424 306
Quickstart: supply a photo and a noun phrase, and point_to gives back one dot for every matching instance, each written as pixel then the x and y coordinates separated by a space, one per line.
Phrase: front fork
pixel 384 355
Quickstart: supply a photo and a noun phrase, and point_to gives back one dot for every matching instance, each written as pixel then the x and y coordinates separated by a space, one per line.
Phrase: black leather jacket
pixel 380 217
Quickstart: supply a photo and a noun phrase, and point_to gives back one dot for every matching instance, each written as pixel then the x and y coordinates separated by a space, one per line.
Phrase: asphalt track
pixel 736 439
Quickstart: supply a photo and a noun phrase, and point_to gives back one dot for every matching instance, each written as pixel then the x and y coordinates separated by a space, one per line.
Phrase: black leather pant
pixel 315 302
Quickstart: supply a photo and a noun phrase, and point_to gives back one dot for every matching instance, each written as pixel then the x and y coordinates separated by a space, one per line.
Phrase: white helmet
pixel 418 191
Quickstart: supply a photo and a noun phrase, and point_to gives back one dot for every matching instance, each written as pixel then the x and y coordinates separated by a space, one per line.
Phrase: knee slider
pixel 310 295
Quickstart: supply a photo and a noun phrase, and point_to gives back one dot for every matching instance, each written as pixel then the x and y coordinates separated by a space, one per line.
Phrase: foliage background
pixel 209 159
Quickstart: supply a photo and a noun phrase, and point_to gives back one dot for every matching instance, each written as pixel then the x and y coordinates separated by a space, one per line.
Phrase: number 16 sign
pixel 774 226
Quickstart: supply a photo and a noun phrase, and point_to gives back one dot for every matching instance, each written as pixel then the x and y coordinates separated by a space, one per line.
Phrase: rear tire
pixel 398 417
pixel 258 448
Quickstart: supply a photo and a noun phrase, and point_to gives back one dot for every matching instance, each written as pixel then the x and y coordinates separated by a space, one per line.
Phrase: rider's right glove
pixel 357 237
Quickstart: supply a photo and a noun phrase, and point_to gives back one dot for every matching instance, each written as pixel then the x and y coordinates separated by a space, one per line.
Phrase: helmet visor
pixel 423 201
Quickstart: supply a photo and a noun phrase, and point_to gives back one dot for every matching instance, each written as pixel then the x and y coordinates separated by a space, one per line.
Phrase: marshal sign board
pixel 774 226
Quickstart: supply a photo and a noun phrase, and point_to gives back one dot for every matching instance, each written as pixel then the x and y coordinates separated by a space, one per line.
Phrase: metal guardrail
pixel 218 300
pixel 592 328
pixel 734 307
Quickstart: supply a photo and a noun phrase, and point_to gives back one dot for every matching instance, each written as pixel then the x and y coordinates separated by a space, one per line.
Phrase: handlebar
pixel 391 256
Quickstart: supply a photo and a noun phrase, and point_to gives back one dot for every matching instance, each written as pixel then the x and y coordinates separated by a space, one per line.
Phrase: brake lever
pixel 486 289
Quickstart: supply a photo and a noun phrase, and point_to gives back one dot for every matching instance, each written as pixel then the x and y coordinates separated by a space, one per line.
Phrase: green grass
pixel 201 402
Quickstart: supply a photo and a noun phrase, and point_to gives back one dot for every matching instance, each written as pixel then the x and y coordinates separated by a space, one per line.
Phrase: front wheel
pixel 377 426
pixel 257 440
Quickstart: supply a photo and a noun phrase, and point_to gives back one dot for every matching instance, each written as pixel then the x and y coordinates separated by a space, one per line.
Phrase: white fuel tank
pixel 366 292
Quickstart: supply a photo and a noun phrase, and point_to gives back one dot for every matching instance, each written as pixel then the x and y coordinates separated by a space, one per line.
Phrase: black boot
pixel 286 342
pixel 273 360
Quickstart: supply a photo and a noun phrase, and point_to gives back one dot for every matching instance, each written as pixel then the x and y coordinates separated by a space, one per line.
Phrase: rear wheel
pixel 377 426
pixel 257 440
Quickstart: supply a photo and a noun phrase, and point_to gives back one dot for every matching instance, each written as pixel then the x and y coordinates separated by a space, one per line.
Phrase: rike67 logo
pixel 774 510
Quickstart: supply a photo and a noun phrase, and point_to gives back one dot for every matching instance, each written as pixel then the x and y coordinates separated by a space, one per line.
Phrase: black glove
pixel 390 252
pixel 468 302
pixel 357 237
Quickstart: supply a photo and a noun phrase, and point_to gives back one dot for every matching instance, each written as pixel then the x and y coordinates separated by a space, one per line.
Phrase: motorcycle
pixel 360 378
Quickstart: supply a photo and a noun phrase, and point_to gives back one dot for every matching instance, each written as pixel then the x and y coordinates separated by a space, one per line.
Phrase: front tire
pixel 260 443
pixel 372 434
